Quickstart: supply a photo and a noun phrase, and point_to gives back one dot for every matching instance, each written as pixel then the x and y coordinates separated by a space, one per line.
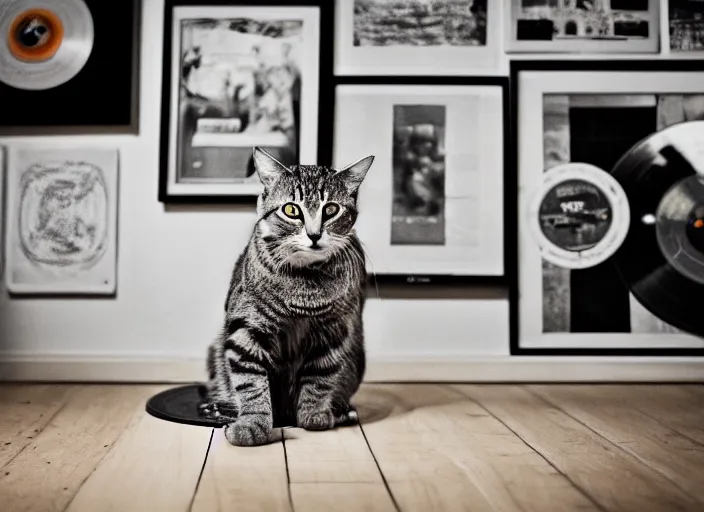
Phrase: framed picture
pixel 575 216
pixel 431 207
pixel 583 26
pixel 61 229
pixel 102 55
pixel 686 20
pixel 418 37
pixel 239 75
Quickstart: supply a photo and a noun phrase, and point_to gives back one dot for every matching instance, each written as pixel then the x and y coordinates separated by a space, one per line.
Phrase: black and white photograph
pixel 418 216
pixel 241 77
pixel 418 37
pixel 419 22
pixel 61 232
pixel 686 26
pixel 432 205
pixel 583 26
pixel 590 307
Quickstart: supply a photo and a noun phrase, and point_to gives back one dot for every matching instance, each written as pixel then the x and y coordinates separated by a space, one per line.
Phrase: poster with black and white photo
pixel 240 77
pixel 417 37
pixel 418 208
pixel 686 26
pixel 590 307
pixel 432 203
pixel 583 26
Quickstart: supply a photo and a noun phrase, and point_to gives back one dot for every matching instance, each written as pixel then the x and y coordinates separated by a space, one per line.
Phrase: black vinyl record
pixel 189 405
pixel 662 258
pixel 68 66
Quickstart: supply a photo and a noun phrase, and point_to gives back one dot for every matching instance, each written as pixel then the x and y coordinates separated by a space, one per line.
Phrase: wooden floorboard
pixel 133 474
pixel 47 474
pixel 333 469
pixel 677 457
pixel 440 451
pixel 24 412
pixel 93 448
pixel 610 476
pixel 243 479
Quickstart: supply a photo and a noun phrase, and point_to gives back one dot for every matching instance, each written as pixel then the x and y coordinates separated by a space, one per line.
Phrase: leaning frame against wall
pixel 240 74
pixel 432 205
pixel 576 126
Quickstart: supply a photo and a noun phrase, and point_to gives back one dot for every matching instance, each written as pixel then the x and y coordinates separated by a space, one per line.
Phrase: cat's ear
pixel 268 168
pixel 354 174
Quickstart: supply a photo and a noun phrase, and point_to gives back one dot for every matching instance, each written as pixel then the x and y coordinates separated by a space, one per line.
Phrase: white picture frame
pixel 413 59
pixel 560 27
pixel 467 237
pixel 210 159
pixel 592 85
pixel 61 220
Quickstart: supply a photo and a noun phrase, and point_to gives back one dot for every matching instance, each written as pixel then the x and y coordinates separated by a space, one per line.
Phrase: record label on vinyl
pixel 679 226
pixel 579 217
pixel 45 43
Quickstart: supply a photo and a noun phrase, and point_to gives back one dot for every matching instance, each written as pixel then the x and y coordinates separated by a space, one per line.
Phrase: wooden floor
pixel 420 448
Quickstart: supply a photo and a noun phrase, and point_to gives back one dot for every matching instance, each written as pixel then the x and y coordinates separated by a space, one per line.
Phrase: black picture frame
pixel 512 192
pixel 102 98
pixel 325 95
pixel 450 280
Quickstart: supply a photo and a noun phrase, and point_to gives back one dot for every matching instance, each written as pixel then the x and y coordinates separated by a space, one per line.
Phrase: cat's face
pixel 306 212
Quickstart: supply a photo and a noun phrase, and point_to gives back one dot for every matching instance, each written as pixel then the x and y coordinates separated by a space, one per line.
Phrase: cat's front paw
pixel 249 431
pixel 316 419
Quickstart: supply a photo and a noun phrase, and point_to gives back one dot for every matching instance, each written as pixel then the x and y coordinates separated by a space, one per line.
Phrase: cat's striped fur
pixel 292 348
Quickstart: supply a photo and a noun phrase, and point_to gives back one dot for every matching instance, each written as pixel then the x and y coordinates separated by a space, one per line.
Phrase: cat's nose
pixel 314 237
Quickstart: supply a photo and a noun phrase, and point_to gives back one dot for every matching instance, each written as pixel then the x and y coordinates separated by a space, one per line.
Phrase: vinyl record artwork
pixel 662 259
pixel 61 232
pixel 583 26
pixel 433 206
pixel 598 218
pixel 417 37
pixel 235 77
pixel 60 55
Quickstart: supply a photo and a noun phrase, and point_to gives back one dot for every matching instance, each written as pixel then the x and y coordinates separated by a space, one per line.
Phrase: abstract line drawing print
pixel 63 214
pixel 62 221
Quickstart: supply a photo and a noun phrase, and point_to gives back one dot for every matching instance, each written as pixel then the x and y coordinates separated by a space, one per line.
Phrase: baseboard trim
pixel 26 368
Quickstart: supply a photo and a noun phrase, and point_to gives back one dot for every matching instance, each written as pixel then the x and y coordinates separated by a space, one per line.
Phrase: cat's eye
pixel 331 210
pixel 291 210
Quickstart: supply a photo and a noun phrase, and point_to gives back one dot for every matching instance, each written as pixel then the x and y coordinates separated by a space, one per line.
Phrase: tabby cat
pixel 292 348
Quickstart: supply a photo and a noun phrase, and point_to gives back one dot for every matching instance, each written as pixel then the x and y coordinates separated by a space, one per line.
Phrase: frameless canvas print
pixel 241 77
pixel 414 37
pixel 583 26
pixel 61 232
pixel 596 124
pixel 432 203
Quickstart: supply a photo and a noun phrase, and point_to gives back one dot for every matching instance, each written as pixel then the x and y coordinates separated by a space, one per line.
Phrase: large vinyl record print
pixel 610 218
pixel 69 66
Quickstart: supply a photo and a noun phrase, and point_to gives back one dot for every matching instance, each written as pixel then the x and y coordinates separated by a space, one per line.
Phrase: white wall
pixel 173 272
pixel 174 268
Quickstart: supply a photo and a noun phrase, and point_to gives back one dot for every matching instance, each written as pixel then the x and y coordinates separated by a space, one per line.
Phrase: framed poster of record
pixel 431 207
pixel 609 164
pixel 72 65
pixel 238 75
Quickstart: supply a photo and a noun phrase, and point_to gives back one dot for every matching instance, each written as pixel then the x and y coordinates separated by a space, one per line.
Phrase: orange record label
pixel 35 35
